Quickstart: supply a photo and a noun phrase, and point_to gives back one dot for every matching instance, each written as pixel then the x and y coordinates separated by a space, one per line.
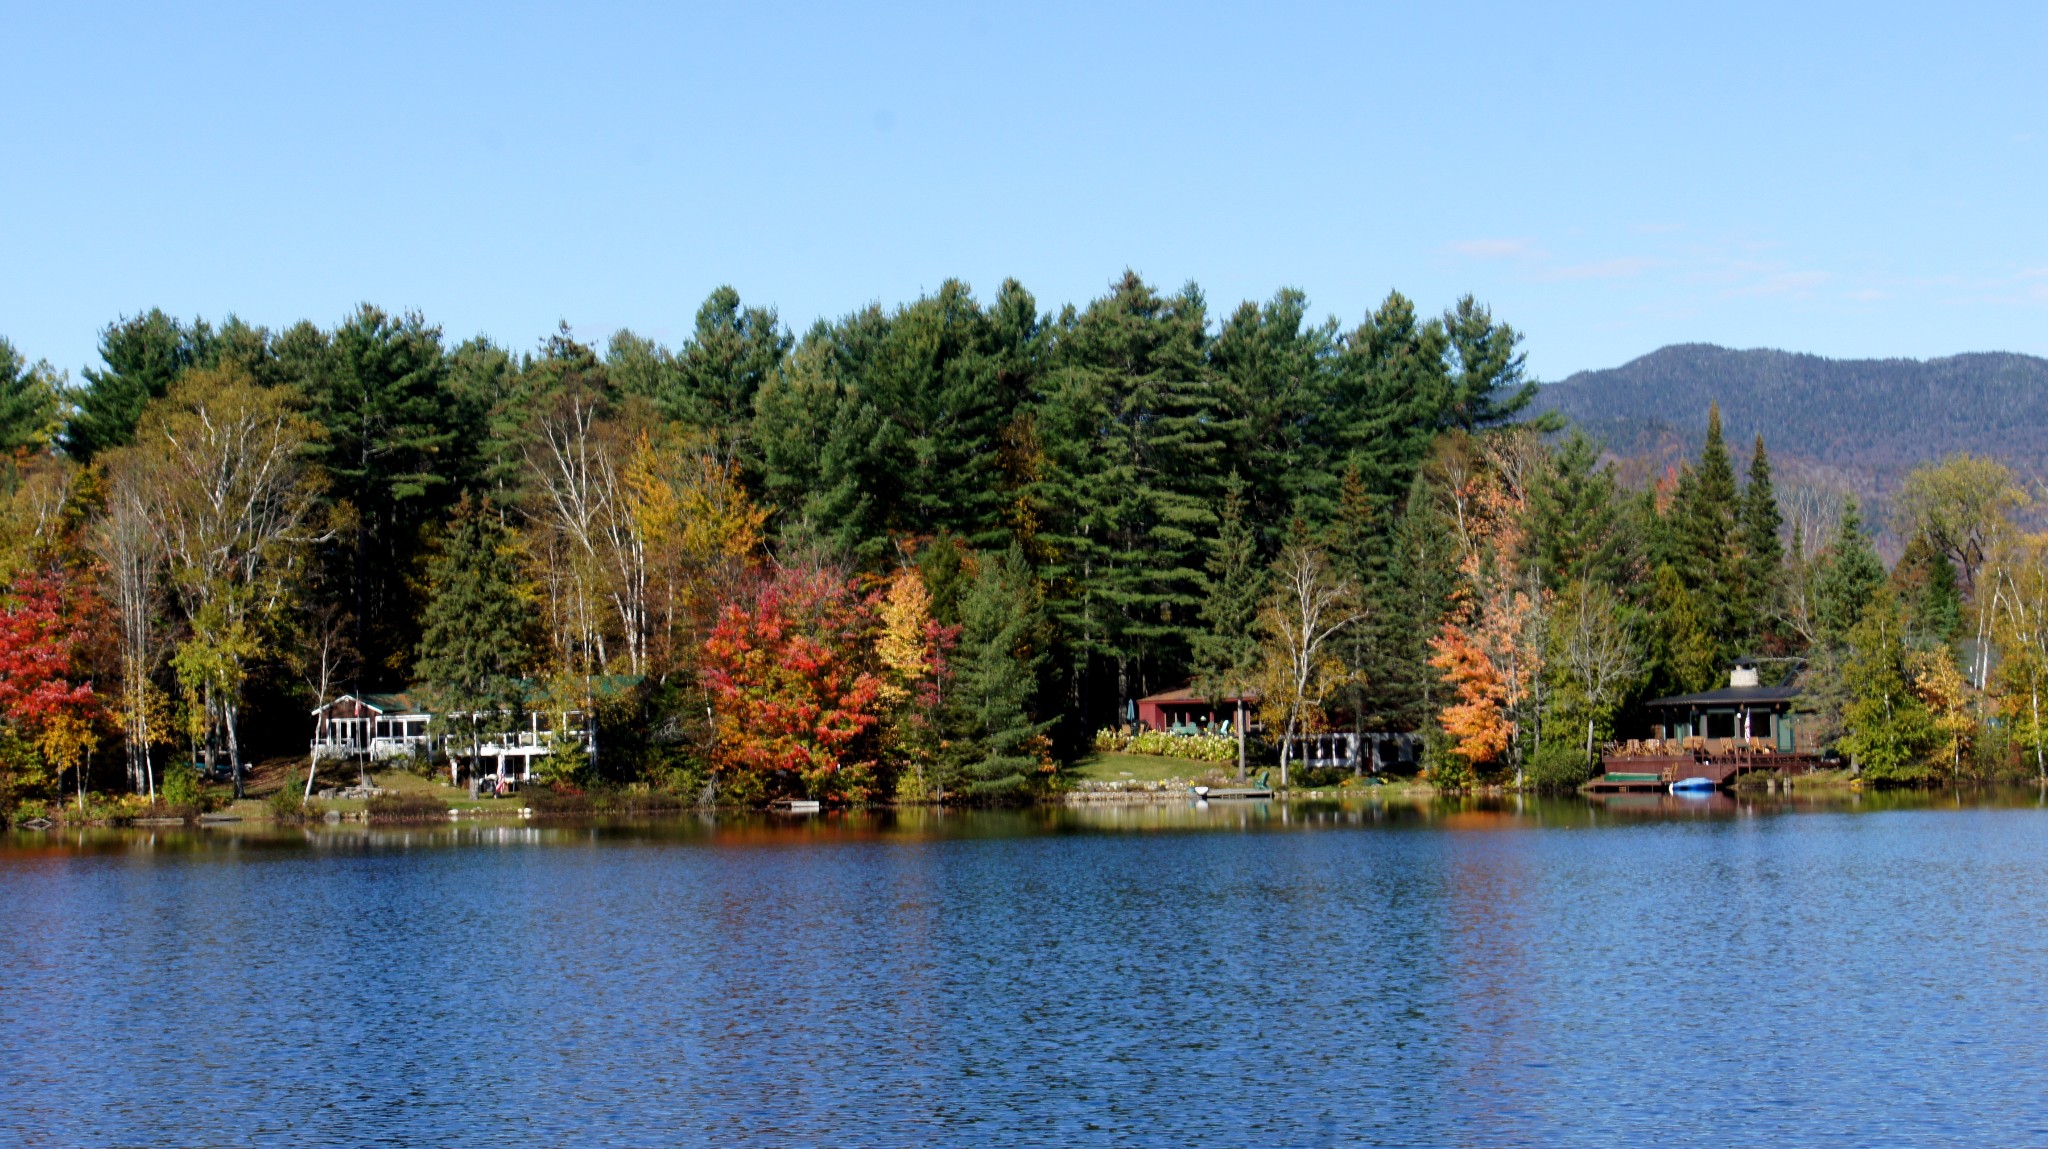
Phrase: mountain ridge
pixel 1855 426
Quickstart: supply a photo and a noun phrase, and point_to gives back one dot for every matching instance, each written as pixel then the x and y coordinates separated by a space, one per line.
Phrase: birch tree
pixel 131 559
pixel 1309 605
pixel 230 498
pixel 1596 656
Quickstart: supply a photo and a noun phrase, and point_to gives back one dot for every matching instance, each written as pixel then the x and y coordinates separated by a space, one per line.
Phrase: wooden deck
pixel 1621 774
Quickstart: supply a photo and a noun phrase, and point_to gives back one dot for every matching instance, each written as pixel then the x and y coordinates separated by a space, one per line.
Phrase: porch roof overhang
pixel 1731 698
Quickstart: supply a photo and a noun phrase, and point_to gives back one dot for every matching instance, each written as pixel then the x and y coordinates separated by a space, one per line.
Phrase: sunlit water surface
pixel 1641 972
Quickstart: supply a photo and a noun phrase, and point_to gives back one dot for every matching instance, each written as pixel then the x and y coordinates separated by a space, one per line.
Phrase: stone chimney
pixel 1743 674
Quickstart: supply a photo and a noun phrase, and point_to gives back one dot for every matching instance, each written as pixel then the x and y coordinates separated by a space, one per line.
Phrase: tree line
pixel 915 553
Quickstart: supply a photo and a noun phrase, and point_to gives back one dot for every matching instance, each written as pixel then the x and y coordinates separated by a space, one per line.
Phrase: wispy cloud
pixel 1782 283
pixel 1498 249
pixel 1623 267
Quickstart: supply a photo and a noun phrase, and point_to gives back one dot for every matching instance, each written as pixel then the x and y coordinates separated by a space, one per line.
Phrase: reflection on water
pixel 1785 969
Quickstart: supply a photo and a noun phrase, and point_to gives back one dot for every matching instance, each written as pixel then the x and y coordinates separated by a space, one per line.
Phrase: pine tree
pixel 1002 637
pixel 1850 575
pixel 1132 469
pixel 1574 514
pixel 393 454
pixel 1712 567
pixel 142 356
pixel 477 623
pixel 1227 649
pixel 1763 552
pixel 29 402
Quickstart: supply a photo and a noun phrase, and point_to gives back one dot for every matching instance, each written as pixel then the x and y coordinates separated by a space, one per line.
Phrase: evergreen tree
pixel 1274 379
pixel 1132 447
pixel 1227 649
pixel 1574 518
pixel 1391 395
pixel 733 352
pixel 1708 527
pixel 996 681
pixel 1489 387
pixel 142 356
pixel 477 623
pixel 1763 551
pixel 945 577
pixel 394 456
pixel 1850 575
pixel 1925 583
pixel 30 402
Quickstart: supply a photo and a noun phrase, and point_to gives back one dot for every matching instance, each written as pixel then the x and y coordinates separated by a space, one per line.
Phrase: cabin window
pixel 1721 725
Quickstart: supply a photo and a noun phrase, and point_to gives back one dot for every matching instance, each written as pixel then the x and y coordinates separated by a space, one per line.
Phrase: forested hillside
pixel 937 551
pixel 1854 424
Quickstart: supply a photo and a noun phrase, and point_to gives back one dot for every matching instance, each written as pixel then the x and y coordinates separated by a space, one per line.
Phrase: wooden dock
pixel 1245 793
pixel 1622 775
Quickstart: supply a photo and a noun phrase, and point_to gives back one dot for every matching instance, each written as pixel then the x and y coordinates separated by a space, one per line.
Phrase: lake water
pixel 1471 975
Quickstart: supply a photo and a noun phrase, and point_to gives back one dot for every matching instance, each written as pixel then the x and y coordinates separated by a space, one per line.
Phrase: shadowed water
pixel 1563 973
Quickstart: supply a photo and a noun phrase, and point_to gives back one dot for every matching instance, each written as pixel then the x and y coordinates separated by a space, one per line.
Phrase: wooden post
pixel 1240 738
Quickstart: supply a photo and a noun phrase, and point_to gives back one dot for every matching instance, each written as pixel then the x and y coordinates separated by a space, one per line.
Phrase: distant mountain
pixel 1856 425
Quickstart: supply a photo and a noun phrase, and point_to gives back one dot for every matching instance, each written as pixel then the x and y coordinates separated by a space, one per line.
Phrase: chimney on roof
pixel 1743 673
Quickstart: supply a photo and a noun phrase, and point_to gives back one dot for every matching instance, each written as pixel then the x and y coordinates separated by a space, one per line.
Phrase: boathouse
pixel 1717 734
pixel 1185 712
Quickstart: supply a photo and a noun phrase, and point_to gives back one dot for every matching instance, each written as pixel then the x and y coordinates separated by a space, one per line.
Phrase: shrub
pixel 181 786
pixel 1558 766
pixel 1200 747
pixel 1445 768
pixel 413 807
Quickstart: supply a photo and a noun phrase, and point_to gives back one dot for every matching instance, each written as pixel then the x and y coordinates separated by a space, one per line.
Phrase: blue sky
pixel 1855 180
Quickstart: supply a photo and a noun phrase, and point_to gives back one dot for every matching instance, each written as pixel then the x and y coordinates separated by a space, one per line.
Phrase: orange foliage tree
pixel 1490 647
pixel 794 693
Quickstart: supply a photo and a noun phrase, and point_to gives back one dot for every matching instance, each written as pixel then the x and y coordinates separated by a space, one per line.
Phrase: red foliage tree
pixel 42 694
pixel 794 695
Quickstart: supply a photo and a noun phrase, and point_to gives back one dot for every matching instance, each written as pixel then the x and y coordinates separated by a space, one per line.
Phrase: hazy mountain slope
pixel 1857 424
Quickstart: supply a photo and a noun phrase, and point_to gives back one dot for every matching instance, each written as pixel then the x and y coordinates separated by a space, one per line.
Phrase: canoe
pixel 1694 786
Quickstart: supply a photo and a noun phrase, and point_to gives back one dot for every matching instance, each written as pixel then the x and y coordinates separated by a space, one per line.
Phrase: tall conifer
pixel 477 625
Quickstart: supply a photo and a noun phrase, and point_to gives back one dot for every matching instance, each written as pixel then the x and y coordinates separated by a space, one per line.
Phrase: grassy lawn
pixel 1144 768
pixel 266 778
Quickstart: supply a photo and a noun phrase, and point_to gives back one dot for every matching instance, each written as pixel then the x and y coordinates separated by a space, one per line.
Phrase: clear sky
pixel 1854 180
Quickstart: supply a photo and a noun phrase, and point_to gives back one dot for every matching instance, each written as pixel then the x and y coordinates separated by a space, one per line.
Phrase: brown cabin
pixel 1718 734
pixel 1183 712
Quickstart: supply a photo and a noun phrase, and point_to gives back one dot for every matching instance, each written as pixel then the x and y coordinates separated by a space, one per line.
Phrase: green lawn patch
pixel 1143 768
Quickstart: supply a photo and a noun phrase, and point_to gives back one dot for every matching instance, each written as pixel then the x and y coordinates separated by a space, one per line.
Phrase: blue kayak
pixel 1694 786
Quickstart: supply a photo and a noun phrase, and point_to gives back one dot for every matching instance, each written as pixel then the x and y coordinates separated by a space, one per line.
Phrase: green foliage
pixel 1575 517
pixel 394 456
pixel 1559 765
pixel 1445 768
pixel 1891 735
pixel 1002 632
pixel 31 402
pixel 1849 576
pixel 143 356
pixel 1166 744
pixel 25 779
pixel 285 804
pixel 1925 582
pixel 180 789
pixel 1763 552
pixel 477 622
pixel 1227 649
